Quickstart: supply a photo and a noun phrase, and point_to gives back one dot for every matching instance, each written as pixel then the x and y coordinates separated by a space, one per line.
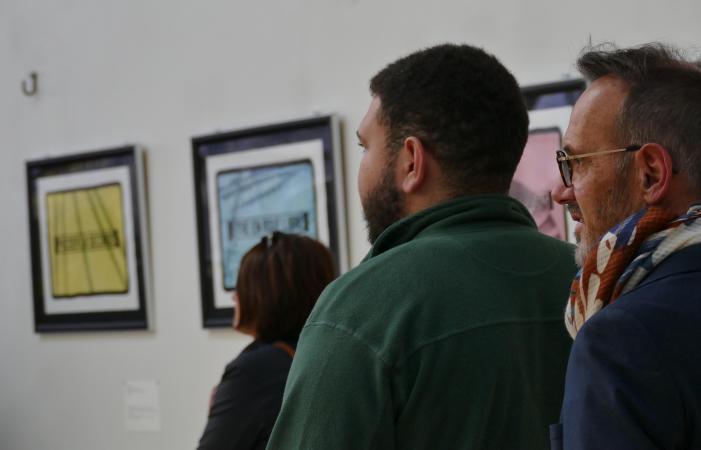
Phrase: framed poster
pixel 549 108
pixel 88 239
pixel 248 183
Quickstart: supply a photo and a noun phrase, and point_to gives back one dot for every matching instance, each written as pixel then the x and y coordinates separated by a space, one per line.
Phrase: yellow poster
pixel 86 241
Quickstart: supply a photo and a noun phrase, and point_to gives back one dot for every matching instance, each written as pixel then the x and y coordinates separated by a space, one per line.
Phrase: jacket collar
pixel 485 208
pixel 685 260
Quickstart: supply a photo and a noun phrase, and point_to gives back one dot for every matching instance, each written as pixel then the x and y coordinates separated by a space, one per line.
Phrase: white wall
pixel 156 73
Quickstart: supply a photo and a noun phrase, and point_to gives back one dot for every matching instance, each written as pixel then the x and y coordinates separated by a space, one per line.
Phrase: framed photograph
pixel 549 108
pixel 88 238
pixel 248 183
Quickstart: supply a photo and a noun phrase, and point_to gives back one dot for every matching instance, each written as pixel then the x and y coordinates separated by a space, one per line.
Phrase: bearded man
pixel 448 335
pixel 631 167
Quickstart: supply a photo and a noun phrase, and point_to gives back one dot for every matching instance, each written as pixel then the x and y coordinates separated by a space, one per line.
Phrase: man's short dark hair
pixel 466 109
pixel 663 103
pixel 279 282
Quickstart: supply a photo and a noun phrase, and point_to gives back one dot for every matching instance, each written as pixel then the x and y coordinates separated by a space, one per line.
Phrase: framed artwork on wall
pixel 88 238
pixel 549 107
pixel 248 183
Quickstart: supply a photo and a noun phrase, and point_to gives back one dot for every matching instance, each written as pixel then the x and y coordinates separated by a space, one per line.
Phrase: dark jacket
pixel 634 375
pixel 247 400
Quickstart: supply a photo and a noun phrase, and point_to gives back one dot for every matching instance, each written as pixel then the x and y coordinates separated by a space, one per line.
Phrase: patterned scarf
pixel 624 256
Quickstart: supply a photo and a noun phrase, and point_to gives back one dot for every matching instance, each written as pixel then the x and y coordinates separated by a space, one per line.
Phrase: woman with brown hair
pixel 278 283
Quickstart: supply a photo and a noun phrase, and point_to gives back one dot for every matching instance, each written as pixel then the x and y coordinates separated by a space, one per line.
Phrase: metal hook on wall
pixel 29 91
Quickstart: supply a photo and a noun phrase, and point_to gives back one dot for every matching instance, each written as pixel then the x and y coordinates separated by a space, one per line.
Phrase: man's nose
pixel 562 194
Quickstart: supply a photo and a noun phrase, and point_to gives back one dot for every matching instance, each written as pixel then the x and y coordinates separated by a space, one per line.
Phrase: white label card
pixel 142 408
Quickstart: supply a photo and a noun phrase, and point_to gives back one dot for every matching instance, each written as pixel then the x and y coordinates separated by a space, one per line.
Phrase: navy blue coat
pixel 634 374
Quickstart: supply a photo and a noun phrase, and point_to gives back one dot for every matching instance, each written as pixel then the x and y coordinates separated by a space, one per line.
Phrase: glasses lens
pixel 565 168
pixel 567 172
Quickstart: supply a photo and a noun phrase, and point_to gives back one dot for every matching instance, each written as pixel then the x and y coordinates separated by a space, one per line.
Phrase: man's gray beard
pixel 580 254
pixel 618 200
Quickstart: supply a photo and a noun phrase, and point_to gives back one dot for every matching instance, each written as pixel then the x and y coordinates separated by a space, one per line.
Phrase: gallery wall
pixel 158 72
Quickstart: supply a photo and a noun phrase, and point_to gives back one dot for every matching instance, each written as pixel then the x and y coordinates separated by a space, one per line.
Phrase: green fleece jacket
pixel 449 335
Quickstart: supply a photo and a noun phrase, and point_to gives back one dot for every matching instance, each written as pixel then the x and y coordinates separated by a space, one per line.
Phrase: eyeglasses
pixel 563 160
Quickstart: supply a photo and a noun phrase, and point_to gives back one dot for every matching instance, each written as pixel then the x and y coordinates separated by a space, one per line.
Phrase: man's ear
pixel 412 165
pixel 654 172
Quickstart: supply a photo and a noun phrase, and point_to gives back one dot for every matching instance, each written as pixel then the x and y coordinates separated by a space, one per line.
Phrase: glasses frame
pixel 563 160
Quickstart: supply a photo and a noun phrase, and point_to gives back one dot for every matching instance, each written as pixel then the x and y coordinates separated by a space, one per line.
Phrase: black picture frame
pixel 89 204
pixel 553 94
pixel 314 142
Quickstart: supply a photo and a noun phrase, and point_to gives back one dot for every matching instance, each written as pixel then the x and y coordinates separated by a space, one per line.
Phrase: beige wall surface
pixel 158 72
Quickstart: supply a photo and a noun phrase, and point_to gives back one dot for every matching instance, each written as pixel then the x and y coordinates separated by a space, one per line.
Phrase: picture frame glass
pixel 537 175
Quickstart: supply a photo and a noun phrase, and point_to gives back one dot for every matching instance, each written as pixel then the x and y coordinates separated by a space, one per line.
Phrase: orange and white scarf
pixel 624 256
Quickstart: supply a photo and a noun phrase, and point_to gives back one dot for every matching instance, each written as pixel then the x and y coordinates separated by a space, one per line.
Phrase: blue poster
pixel 255 201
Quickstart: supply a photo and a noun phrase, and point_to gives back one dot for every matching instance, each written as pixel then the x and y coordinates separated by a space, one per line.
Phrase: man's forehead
pixel 594 116
pixel 370 118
